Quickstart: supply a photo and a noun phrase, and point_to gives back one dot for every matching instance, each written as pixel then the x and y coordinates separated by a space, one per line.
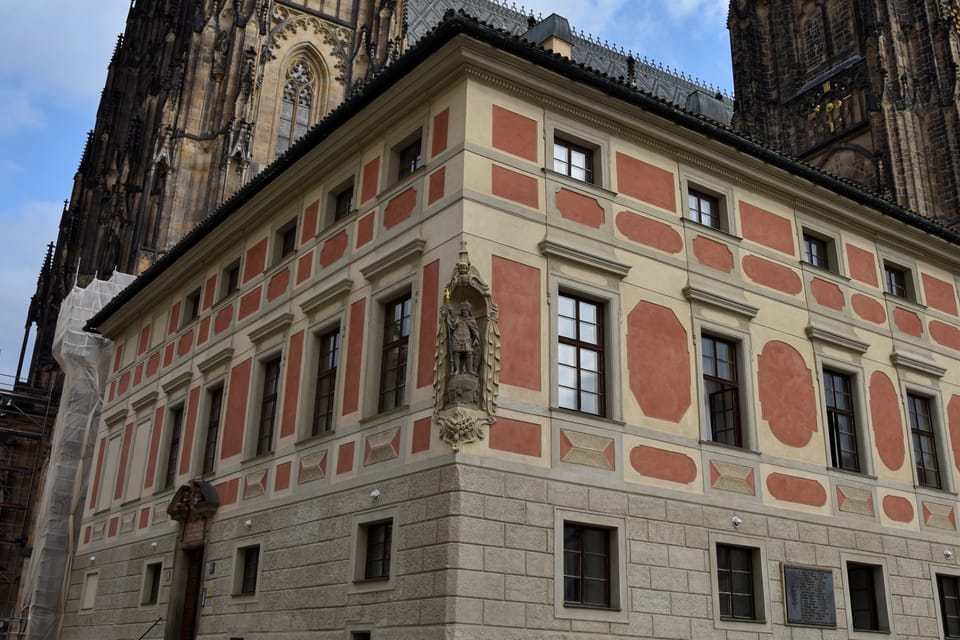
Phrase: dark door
pixel 191 593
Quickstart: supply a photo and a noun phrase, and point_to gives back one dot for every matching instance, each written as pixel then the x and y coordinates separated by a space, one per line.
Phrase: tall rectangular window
pixel 703 208
pixel 393 360
pixel 895 281
pixel 269 399
pixel 815 251
pixel 865 585
pixel 173 452
pixel 841 421
pixel 230 279
pixel 580 354
pixel 924 441
pixel 151 583
pixel 586 565
pixel 721 390
pixel 410 158
pixel 325 390
pixel 343 203
pixel 214 409
pixel 249 567
pixel 948 588
pixel 736 584
pixel 285 241
pixel 572 160
pixel 377 552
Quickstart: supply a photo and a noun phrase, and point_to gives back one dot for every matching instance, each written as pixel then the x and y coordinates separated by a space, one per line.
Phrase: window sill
pixel 571 415
pixel 385 415
pixel 907 303
pixel 862 475
pixel 730 449
pixel 316 438
pixel 591 188
pixel 830 274
pixel 721 234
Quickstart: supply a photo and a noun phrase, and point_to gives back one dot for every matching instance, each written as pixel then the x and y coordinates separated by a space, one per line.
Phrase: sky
pixel 53 64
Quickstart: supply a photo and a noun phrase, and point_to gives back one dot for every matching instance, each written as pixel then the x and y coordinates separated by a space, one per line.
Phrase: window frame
pixel 283 235
pixel 359 583
pixel 910 291
pixel 831 252
pixel 402 344
pixel 931 435
pixel 855 413
pixel 173 440
pixel 762 620
pixel 693 179
pixel 241 567
pixel 881 595
pixel 578 573
pixel 151 579
pixel 192 303
pixel 263 441
pixel 953 573
pixel 402 167
pixel 578 134
pixel 336 194
pixel 570 147
pixel 618 608
pixel 329 373
pixel 206 453
pixel 739 435
pixel 226 286
pixel 316 97
pixel 88 592
pixel 580 345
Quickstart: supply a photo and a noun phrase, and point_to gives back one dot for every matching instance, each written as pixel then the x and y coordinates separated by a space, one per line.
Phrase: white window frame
pixel 358 550
pixel 761 583
pixel 238 557
pixel 693 179
pixel 884 604
pixel 937 570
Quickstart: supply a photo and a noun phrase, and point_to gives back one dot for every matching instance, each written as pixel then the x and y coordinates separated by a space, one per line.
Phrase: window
pixel 295 105
pixel 88 596
pixel 173 451
pixel 343 202
pixel 249 566
pixel 580 355
pixel 326 382
pixel 409 158
pixel 867 600
pixel 703 208
pixel 924 441
pixel 230 279
pixel 841 421
pixel 393 361
pixel 191 307
pixel 376 557
pixel 948 590
pixel 360 635
pixel 268 405
pixel 572 160
pixel 896 281
pixel 586 565
pixel 214 408
pixel 815 251
pixel 721 390
pixel 736 582
pixel 286 240
pixel 151 583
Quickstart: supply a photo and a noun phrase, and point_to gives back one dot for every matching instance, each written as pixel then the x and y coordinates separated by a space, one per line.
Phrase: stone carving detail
pixel 194 501
pixel 289 23
pixel 467 359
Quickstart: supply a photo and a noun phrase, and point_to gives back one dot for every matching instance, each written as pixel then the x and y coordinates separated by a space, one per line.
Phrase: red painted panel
pixel 945 334
pixel 351 378
pixel 154 448
pixel 256 261
pixel 124 385
pixel 281 480
pixel 441 123
pixel 86 534
pixel 228 492
pixel 671 466
pixel 766 228
pixel 288 424
pixel 658 358
pixel 787 399
pixel 643 181
pixel 95 490
pixel 113 391
pixel 144 342
pixel 429 309
pixel 153 364
pixel 516 436
pixel 209 292
pixel 863 266
pixel 122 464
pixel 898 509
pixel 311 216
pixel 953 419
pixel 514 133
pixel 649 232
pixel 826 293
pixel 236 414
pixel 773 275
pixel 579 208
pixel 365 229
pixel 189 431
pixel 371 178
pixel 112 527
pixel 421 435
pixel 939 294
pixel 185 343
pixel 144 518
pixel 138 375
pixel 885 417
pixel 345 457
pixel 908 322
pixel 334 248
pixel 117 357
pixel 797 490
pixel 713 254
pixel 868 308
pixel 437 185
pixel 516 290
pixel 304 267
pixel 223 319
pixel 174 320
pixel 249 303
pixel 203 330
pixel 511 185
pixel 399 208
pixel 277 286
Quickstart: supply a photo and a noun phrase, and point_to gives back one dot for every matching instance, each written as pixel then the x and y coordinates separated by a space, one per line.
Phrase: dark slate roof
pixel 453 25
pixel 423 15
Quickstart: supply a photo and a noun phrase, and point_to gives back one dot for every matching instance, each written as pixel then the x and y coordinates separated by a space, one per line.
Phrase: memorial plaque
pixel 808 594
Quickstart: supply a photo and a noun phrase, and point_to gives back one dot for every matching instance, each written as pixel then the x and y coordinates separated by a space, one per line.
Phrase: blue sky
pixel 53 61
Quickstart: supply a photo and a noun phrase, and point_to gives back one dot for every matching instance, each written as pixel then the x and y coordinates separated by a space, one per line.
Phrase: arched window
pixel 814 42
pixel 298 97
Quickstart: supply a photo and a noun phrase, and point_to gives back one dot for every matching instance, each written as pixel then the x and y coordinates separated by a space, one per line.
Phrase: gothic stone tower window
pixel 296 104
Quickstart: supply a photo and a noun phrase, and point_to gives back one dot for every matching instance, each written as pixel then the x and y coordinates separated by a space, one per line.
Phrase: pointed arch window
pixel 298 96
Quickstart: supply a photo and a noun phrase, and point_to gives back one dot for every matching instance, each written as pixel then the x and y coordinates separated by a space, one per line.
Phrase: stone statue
pixel 464 339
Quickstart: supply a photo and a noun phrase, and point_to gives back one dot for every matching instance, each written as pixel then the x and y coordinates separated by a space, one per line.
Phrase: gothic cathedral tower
pixel 200 96
pixel 867 90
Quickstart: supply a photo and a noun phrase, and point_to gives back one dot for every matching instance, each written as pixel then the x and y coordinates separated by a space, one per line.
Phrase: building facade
pixel 506 348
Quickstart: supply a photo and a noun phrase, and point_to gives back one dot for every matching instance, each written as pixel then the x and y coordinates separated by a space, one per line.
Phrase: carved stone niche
pixel 192 506
pixel 467 358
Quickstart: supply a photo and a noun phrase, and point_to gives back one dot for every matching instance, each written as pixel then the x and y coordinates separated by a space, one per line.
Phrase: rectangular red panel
pixel 766 228
pixel 144 518
pixel 95 489
pixel 174 322
pixel 112 527
pixel 511 185
pixel 644 181
pixel 365 229
pixel 351 378
pixel 421 435
pixel 371 177
pixel 249 303
pixel 281 480
pixel 138 375
pixel 441 123
pixel 256 261
pixel 514 133
pixel 288 424
pixel 428 323
pixel 209 292
pixel 117 357
pixel 144 342
pixel 310 217
pixel 189 431
pixel 154 448
pixel 304 267
pixel 516 290
pixel 228 491
pixel 122 465
pixel 437 185
pixel 345 457
pixel 516 436
pixel 236 415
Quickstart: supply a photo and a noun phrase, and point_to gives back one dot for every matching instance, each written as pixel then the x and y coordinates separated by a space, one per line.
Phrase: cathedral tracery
pixel 296 104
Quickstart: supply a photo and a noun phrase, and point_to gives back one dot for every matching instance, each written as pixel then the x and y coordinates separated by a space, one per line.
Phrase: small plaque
pixel 808 593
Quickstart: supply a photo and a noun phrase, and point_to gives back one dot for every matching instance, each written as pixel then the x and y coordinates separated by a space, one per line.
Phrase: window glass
pixel 841 421
pixel 703 208
pixel 735 582
pixel 721 388
pixel 924 441
pixel 326 382
pixel 393 361
pixel 586 565
pixel 572 160
pixel 580 355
